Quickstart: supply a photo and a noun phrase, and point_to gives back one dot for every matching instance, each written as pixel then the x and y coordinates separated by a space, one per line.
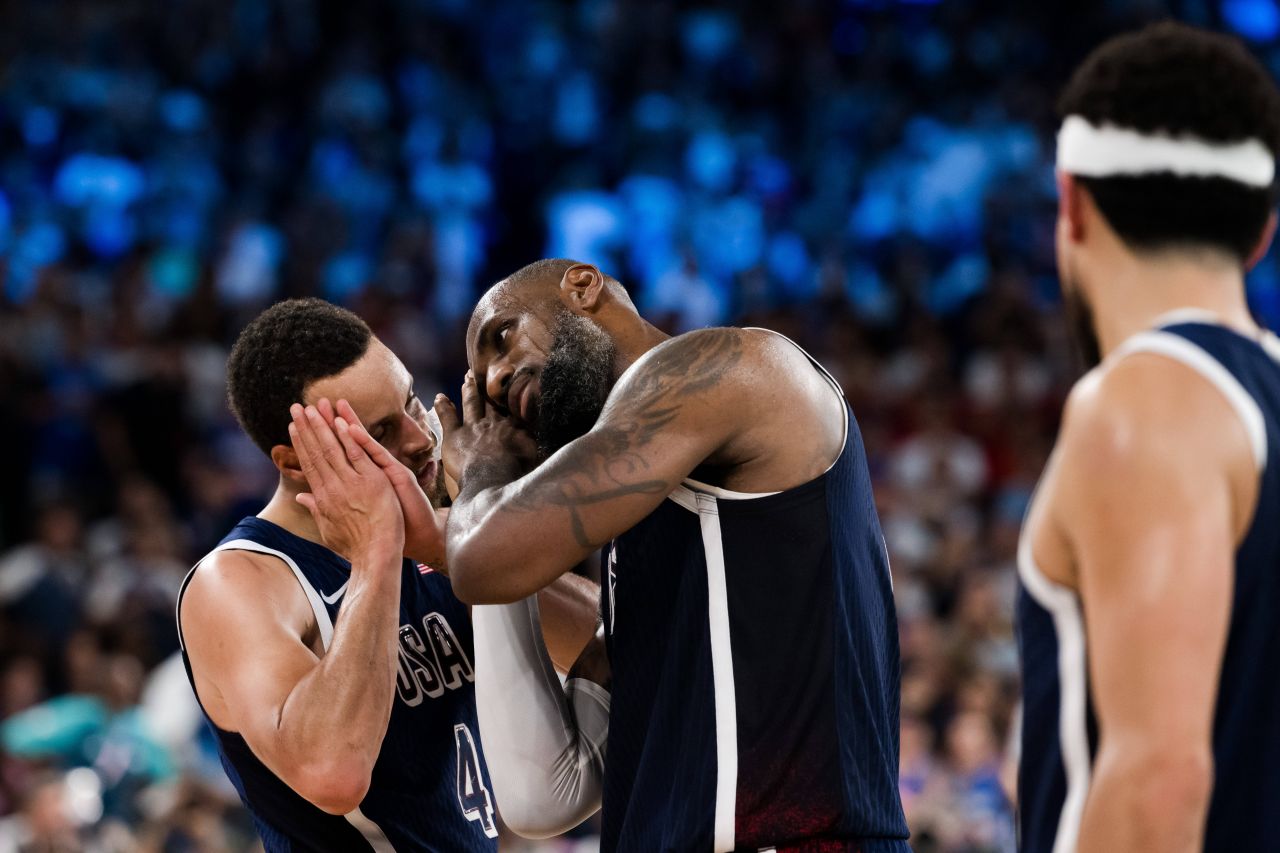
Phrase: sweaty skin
pixel 317 719
pixel 724 403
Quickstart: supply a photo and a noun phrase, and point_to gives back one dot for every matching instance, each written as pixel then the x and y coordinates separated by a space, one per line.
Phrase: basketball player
pixel 748 610
pixel 341 693
pixel 1150 559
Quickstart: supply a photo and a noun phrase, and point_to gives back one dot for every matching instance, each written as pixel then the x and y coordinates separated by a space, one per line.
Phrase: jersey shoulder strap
pixel 1180 349
pixel 321 613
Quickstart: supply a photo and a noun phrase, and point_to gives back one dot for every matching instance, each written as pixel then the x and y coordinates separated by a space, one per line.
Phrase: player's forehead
pixel 375 385
pixel 493 307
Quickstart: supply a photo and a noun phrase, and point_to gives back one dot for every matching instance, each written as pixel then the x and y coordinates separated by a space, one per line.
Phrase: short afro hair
pixel 282 351
pixel 1179 80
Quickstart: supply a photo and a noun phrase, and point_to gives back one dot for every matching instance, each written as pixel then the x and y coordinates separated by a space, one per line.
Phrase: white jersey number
pixel 473 796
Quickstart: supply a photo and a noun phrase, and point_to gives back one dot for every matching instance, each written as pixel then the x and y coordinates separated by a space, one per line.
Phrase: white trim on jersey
pixel 317 606
pixel 323 622
pixel 1073 733
pixel 685 497
pixel 725 693
pixel 725 494
pixel 1271 345
pixel 1186 315
pixel 373 834
pixel 726 700
pixel 1182 350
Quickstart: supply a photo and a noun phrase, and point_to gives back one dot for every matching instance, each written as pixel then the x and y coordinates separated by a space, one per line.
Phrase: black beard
pixel 438 494
pixel 1084 334
pixel 575 382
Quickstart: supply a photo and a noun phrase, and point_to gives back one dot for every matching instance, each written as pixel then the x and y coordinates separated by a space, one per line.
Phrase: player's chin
pixel 431 479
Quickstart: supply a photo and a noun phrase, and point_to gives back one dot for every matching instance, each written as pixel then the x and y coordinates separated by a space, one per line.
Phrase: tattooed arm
pixel 510 535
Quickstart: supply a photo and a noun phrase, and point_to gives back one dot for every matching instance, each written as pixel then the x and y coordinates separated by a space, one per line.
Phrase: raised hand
pixel 351 497
pixel 480 436
pixel 423 524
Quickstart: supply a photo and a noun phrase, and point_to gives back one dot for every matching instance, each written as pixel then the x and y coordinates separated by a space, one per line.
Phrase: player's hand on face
pixel 351 498
pixel 480 433
pixel 423 524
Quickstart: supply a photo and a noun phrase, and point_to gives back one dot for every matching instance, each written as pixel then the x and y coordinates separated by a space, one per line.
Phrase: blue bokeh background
pixel 872 177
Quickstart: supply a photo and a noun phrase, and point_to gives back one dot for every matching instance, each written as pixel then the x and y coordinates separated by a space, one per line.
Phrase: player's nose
pixel 417 439
pixel 497 380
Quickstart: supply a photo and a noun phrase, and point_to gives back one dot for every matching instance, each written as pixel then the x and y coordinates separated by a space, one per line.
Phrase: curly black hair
pixel 282 351
pixel 1180 80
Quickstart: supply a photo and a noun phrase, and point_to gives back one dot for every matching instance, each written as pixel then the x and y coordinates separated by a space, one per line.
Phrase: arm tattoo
pixel 606 463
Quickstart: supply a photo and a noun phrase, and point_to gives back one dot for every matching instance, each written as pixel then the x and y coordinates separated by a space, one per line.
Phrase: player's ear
pixel 1264 243
pixel 286 462
pixel 582 289
pixel 1071 207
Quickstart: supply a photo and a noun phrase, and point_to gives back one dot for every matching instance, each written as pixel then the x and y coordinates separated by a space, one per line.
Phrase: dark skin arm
pixel 722 397
pixel 569 606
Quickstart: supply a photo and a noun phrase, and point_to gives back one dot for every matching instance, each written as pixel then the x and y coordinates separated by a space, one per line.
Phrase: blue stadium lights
pixel 1256 20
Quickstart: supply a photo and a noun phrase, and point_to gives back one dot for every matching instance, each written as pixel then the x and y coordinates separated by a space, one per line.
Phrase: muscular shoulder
pixel 746 393
pixel 232 587
pixel 718 364
pixel 1145 404
pixel 698 362
pixel 1144 429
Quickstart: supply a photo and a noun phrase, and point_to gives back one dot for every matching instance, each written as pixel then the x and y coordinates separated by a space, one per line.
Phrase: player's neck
pixel 634 343
pixel 1135 294
pixel 283 510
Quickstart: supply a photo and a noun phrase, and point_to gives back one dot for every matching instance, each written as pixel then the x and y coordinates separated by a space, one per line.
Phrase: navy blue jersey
pixel 1059 730
pixel 430 788
pixel 754 649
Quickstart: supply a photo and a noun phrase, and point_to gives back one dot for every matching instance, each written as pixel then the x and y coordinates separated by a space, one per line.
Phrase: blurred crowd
pixel 871 177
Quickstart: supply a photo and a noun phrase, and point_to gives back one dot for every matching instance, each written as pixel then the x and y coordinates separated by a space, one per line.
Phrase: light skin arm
pixel 1149 506
pixel 511 535
pixel 316 722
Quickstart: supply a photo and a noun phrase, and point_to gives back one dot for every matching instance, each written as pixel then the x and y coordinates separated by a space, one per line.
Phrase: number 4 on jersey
pixel 473 796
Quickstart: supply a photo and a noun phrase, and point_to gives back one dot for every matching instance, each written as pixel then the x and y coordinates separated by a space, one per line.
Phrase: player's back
pixel 1059 728
pixel 754 650
pixel 429 789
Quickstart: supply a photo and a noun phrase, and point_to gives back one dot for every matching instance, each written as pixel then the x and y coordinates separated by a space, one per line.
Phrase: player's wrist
pixel 483 474
pixel 374 555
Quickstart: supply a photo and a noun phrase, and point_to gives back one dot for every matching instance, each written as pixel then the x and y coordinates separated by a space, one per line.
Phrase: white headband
pixel 1107 151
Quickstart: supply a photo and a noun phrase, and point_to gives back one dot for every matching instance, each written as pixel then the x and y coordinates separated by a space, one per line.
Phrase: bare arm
pixel 510 535
pixel 1148 510
pixel 316 722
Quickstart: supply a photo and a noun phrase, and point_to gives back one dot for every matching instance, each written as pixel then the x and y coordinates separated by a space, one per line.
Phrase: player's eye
pixel 501 337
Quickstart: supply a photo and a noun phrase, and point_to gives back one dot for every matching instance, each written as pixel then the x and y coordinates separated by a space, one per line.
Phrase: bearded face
pixel 575 382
